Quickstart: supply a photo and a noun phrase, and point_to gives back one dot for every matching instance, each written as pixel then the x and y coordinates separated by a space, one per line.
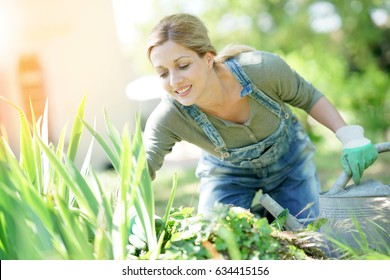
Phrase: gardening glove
pixel 358 151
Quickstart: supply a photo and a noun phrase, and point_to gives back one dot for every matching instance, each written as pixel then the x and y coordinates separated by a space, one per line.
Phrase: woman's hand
pixel 358 151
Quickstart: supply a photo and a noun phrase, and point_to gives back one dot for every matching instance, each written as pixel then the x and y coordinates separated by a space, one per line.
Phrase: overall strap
pixel 254 91
pixel 201 119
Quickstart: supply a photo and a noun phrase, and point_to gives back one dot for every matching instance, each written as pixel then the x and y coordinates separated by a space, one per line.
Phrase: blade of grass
pixel 88 200
pixel 113 133
pixel 170 201
pixel 102 243
pixel 233 248
pixel 104 202
pixel 145 197
pixel 20 184
pixel 55 177
pixel 114 159
pixel 26 145
pixel 73 232
pixel 77 131
pixel 82 195
pixel 45 139
pixel 87 159
pixel 121 215
pixel 38 165
pixel 37 153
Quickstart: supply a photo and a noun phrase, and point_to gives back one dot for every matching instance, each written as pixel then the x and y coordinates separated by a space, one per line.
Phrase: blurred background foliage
pixel 342 47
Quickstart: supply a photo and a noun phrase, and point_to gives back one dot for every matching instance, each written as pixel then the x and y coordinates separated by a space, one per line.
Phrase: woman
pixel 234 107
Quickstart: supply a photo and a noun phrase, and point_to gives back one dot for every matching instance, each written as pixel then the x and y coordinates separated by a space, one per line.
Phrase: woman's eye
pixel 163 75
pixel 183 67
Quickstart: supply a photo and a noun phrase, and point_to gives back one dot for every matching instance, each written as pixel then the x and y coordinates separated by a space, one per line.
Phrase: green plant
pixel 360 240
pixel 49 209
pixel 231 233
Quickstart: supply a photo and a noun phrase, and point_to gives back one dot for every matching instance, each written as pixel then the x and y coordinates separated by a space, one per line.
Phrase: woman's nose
pixel 175 79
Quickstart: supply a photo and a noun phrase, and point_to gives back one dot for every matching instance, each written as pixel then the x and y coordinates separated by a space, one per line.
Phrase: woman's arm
pixel 358 151
pixel 325 113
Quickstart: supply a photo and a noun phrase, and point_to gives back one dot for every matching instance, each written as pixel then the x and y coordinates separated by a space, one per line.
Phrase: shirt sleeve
pixel 278 80
pixel 158 138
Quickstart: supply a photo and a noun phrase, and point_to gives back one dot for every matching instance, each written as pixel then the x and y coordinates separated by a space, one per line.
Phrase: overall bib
pixel 280 165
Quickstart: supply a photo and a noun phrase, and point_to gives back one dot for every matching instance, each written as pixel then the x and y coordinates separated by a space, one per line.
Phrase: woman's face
pixel 183 74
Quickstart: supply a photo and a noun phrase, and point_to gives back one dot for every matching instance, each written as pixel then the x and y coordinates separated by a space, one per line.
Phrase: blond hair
pixel 190 32
pixel 184 29
pixel 232 50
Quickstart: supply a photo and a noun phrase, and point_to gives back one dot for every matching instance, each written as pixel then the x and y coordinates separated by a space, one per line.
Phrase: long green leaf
pixel 170 201
pixel 144 201
pixel 123 203
pixel 77 131
pixel 105 205
pixel 88 198
pixel 26 145
pixel 73 232
pixel 88 156
pixel 111 155
pixel 90 207
pixel 55 178
pixel 45 139
pixel 102 243
pixel 113 134
pixel 39 181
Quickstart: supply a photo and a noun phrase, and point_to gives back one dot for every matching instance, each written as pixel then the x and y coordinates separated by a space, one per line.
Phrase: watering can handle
pixel 344 178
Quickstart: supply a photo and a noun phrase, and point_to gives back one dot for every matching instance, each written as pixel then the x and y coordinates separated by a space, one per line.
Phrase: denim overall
pixel 280 165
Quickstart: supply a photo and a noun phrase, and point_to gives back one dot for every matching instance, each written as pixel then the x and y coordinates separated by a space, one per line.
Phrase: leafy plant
pixel 49 209
pixel 230 233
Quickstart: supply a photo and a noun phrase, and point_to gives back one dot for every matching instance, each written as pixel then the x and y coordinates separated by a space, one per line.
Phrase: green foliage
pixel 49 209
pixel 229 233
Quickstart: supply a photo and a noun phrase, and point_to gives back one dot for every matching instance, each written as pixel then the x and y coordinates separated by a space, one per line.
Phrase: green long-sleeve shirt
pixel 169 123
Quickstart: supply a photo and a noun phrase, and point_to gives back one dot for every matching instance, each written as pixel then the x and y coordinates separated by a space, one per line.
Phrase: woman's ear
pixel 210 59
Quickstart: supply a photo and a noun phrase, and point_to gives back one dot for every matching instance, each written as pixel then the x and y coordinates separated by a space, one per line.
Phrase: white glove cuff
pixel 352 136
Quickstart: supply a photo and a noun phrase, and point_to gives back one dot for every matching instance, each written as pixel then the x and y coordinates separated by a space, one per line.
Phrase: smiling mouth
pixel 183 90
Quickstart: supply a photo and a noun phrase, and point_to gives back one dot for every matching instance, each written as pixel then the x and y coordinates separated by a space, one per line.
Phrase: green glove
pixel 356 160
pixel 358 151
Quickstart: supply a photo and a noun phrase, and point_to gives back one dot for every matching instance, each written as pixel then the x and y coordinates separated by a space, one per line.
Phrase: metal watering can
pixel 349 211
